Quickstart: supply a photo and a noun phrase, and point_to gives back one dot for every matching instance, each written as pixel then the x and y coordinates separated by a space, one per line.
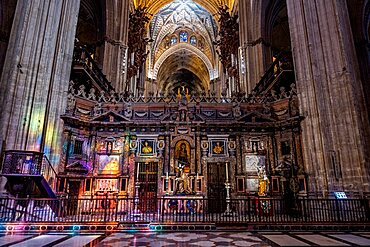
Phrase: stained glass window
pixel 183 37
pixel 173 40
pixel 193 40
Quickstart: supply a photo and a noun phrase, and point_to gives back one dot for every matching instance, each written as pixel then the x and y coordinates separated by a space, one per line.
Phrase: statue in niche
pixel 263 181
pixel 182 156
pixel 183 96
pixel 182 182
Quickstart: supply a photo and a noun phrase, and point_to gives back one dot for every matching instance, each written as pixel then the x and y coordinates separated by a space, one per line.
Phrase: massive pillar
pixel 251 43
pixel 335 128
pixel 115 48
pixel 35 75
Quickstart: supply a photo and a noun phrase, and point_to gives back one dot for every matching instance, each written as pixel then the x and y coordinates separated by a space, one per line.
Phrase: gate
pixel 148 174
pixel 216 187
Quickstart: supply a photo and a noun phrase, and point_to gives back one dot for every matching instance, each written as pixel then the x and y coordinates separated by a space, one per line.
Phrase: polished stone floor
pixel 215 238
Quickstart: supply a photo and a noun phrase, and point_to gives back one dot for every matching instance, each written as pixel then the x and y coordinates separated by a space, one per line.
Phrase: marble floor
pixel 215 238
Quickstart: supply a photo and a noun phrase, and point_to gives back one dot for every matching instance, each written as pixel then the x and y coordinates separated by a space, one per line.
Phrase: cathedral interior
pixel 198 99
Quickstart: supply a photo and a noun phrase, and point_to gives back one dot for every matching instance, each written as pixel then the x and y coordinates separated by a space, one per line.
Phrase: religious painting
pixel 109 164
pixel 252 184
pixel 106 185
pixel 147 147
pixel 109 146
pixel 254 162
pixel 218 147
pixel 182 156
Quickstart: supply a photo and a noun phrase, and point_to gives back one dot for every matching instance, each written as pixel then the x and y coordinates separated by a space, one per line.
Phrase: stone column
pixel 115 48
pixel 335 130
pixel 250 29
pixel 198 155
pixel 36 74
pixel 243 13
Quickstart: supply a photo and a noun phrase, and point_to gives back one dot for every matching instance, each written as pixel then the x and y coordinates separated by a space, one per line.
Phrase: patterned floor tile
pixel 40 240
pixel 285 240
pixel 353 239
pixel 221 239
pixel 180 239
pixel 203 243
pixel 321 240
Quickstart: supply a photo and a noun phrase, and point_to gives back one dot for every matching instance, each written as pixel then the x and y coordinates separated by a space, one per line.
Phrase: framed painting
pixel 109 164
pixel 147 147
pixel 218 147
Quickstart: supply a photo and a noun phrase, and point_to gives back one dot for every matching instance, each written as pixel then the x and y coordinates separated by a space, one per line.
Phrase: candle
pixel 132 58
pixel 197 176
pixel 166 175
pixel 138 170
pixel 227 172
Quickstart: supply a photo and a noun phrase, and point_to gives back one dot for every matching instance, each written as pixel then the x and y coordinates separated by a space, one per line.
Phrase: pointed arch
pixel 213 73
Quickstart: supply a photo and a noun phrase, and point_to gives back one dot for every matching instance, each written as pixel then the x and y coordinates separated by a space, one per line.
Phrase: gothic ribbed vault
pixel 183 33
pixel 211 5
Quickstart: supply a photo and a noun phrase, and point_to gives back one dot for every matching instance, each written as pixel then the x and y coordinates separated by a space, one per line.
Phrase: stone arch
pixel 360 25
pixel 180 46
pixel 366 25
pixel 181 138
pixel 89 30
pixel 275 29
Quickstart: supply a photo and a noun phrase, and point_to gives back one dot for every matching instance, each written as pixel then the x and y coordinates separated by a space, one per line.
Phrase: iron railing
pixel 82 57
pixel 18 162
pixel 163 210
pixel 282 64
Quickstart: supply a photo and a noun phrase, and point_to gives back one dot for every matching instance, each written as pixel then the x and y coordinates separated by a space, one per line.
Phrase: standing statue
pixel 182 157
pixel 182 183
pixel 263 182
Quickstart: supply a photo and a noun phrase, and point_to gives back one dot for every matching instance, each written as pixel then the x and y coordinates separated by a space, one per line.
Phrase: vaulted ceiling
pixel 211 5
pixel 183 32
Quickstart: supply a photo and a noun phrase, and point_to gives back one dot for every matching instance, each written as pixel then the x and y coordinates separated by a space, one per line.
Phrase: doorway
pixel 73 192
pixel 216 187
pixel 147 177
